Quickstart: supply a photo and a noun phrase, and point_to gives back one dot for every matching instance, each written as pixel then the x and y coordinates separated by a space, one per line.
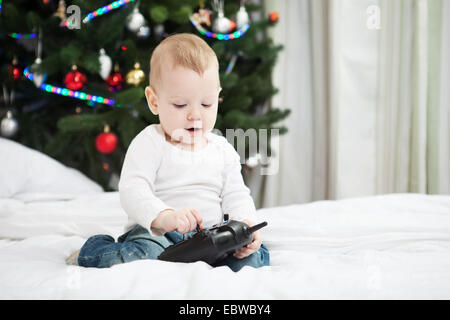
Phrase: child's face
pixel 186 100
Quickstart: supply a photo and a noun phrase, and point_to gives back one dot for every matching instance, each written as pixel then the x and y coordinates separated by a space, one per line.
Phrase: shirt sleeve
pixel 236 199
pixel 137 182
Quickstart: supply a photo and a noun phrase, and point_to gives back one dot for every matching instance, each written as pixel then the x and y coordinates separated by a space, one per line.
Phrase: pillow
pixel 24 170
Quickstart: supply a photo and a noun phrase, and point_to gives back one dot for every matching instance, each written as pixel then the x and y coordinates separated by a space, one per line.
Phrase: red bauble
pixel 115 81
pixel 15 71
pixel 106 142
pixel 75 80
pixel 274 16
pixel 232 25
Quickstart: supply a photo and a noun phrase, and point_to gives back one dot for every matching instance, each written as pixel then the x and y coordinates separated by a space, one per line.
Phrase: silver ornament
pixel 114 181
pixel 9 125
pixel 159 30
pixel 221 24
pixel 135 113
pixel 143 32
pixel 242 17
pixel 253 161
pixel 135 20
pixel 105 64
pixel 38 78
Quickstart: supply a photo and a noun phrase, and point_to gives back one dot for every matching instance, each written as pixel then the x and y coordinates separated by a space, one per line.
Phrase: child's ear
pixel 152 99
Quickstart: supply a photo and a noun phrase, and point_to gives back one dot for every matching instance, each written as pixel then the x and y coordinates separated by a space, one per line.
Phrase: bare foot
pixel 73 258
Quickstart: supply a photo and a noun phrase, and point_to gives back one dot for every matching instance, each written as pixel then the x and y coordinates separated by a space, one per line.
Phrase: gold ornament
pixel 136 76
pixel 61 12
pixel 202 17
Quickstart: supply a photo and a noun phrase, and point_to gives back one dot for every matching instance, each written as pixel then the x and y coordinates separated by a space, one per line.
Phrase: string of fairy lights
pixel 70 93
pixel 220 36
pixel 90 16
pixel 100 11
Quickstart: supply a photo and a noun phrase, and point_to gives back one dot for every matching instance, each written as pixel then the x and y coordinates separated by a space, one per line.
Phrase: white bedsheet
pixel 385 247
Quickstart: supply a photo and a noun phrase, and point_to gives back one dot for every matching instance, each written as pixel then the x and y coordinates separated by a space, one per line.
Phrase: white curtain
pixel 368 84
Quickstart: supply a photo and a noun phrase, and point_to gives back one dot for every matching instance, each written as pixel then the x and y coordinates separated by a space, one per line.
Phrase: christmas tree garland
pixel 103 10
pixel 70 93
pixel 220 36
pixel 90 16
pixel 16 35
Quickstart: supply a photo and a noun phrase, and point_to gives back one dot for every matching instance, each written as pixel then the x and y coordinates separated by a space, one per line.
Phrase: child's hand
pixel 183 220
pixel 252 247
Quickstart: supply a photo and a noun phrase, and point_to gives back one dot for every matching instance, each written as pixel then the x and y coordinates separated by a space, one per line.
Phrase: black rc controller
pixel 212 245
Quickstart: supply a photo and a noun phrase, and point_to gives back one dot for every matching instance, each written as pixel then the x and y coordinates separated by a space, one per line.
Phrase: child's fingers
pixel 241 255
pixel 198 217
pixel 248 249
pixel 192 221
pixel 182 224
pixel 244 252
pixel 253 246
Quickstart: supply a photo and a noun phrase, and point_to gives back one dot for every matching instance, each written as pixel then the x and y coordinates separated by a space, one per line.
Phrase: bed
pixel 394 246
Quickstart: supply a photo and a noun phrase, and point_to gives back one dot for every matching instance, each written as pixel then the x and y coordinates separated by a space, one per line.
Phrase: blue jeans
pixel 101 251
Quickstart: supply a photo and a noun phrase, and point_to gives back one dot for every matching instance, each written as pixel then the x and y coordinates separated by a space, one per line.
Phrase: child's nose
pixel 194 114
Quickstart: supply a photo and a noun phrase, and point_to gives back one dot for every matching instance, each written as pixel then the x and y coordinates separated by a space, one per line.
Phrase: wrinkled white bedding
pixel 384 247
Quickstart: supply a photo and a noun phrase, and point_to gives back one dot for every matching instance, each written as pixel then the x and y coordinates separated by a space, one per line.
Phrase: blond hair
pixel 185 50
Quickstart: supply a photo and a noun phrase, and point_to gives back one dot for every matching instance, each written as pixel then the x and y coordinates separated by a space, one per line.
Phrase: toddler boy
pixel 178 174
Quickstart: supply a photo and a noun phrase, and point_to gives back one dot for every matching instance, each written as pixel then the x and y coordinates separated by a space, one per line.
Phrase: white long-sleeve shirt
pixel 157 175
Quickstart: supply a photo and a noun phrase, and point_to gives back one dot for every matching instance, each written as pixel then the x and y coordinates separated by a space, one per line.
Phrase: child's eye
pixel 206 105
pixel 179 105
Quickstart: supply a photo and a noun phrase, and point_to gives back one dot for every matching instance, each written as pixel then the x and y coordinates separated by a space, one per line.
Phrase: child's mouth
pixel 194 130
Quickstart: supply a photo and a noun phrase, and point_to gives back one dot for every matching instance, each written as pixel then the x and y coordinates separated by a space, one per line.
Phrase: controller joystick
pixel 212 245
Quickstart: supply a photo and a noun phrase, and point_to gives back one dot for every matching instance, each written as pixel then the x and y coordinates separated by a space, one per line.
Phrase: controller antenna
pixel 250 230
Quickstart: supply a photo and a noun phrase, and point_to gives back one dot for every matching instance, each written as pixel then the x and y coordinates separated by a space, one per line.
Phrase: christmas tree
pixel 73 72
